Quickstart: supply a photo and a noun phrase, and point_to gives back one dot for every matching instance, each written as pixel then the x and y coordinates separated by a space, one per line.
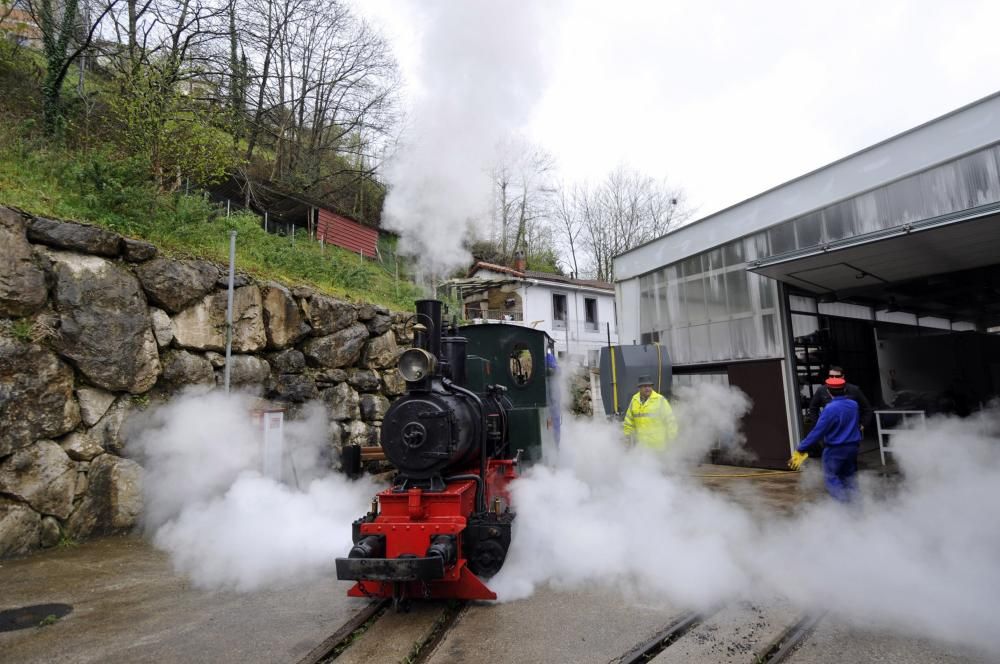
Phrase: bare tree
pixel 568 221
pixel 523 194
pixel 325 93
pixel 622 212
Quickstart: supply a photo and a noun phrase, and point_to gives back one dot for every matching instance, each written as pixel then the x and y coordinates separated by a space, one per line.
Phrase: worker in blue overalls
pixel 839 429
pixel 555 400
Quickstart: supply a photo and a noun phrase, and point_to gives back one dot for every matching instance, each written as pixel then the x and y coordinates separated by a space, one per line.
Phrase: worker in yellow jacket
pixel 649 417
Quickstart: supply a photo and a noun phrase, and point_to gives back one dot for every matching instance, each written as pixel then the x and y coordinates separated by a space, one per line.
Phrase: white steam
pixel 223 523
pixel 920 560
pixel 481 70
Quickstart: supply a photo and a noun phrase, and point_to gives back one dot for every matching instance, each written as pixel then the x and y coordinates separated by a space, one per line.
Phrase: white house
pixel 579 314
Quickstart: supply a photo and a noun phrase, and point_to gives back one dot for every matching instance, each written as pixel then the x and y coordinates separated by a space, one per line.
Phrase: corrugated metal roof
pixel 335 229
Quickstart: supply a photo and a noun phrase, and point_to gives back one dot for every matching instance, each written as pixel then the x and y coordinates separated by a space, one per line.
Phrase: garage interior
pixel 913 318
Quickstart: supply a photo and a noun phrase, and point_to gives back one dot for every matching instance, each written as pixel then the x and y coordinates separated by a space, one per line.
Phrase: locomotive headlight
pixel 416 364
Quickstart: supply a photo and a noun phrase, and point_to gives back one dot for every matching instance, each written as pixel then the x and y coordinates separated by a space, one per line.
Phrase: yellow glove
pixel 796 461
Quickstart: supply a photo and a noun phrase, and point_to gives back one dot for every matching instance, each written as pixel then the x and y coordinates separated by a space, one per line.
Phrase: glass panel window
pixel 679 345
pixel 732 253
pixel 558 311
pixel 738 292
pixel 590 313
pixel 715 296
pixel 769 324
pixel 801 303
pixel 701 349
pixel 767 288
pixel 809 230
pixel 721 340
pixel 782 238
pixel 693 292
pixel 746 342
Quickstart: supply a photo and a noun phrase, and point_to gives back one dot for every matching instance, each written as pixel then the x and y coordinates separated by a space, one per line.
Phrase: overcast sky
pixel 726 99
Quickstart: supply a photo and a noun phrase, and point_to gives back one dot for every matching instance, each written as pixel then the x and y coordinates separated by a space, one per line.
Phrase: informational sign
pixel 270 424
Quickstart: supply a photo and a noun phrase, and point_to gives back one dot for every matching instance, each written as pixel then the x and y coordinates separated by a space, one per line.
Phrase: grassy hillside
pixel 101 188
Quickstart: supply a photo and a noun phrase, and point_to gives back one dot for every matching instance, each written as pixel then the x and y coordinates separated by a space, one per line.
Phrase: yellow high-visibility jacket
pixel 652 422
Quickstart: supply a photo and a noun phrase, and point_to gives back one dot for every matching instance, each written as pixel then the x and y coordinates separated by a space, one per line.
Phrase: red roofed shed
pixel 332 228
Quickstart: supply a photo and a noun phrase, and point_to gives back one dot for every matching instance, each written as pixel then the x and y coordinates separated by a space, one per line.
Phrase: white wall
pixel 627 301
pixel 574 339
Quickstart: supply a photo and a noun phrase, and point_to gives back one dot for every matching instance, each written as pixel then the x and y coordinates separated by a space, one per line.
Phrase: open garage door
pixel 913 319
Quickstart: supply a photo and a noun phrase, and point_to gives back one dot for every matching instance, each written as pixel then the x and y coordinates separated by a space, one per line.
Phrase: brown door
pixel 766 425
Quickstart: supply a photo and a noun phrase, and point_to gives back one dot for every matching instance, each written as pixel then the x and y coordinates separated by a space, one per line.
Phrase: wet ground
pixel 129 606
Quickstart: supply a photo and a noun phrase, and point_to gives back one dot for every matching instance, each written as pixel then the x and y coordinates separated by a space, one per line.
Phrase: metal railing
pixel 472 313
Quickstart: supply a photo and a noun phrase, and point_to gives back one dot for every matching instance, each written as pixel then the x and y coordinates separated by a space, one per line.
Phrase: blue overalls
pixel 838 427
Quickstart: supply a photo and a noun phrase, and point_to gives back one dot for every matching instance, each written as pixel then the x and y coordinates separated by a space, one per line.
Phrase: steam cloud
pixel 919 559
pixel 223 523
pixel 481 71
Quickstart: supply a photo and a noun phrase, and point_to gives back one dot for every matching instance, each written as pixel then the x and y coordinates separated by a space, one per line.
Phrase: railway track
pixel 727 640
pixel 377 633
pixel 735 633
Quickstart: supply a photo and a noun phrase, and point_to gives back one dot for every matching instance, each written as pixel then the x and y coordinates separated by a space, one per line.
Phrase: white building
pixel 579 314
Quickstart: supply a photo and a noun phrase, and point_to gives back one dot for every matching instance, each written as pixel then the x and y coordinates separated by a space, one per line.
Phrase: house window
pixel 558 311
pixel 590 310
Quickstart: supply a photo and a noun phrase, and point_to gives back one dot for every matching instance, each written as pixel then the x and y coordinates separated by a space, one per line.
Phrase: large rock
pixel 376 317
pixel 289 361
pixel 329 377
pixel 138 251
pixel 36 395
pixel 51 532
pixel 402 327
pixel 293 387
pixel 174 285
pixel 110 431
pixel 381 352
pixel 373 407
pixel 364 380
pixel 359 433
pixel 41 475
pixel 342 402
pixel 22 282
pixel 394 383
pixel 76 237
pixel 81 446
pixel 245 370
pixel 20 528
pixel 114 498
pixel 203 325
pixel 283 319
pixel 327 315
pixel 104 323
pixel 181 368
pixel 94 402
pixel 163 328
pixel 339 349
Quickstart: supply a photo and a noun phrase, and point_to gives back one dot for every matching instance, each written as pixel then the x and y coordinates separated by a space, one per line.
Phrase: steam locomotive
pixel 473 392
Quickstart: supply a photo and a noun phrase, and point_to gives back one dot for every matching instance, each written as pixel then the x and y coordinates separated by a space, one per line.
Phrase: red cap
pixel 835 382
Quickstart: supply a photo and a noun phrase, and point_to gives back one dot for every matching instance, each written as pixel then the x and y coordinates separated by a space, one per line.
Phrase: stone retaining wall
pixel 94 326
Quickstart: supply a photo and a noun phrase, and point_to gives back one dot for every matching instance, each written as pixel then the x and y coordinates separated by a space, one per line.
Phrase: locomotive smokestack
pixel 453 349
pixel 429 314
